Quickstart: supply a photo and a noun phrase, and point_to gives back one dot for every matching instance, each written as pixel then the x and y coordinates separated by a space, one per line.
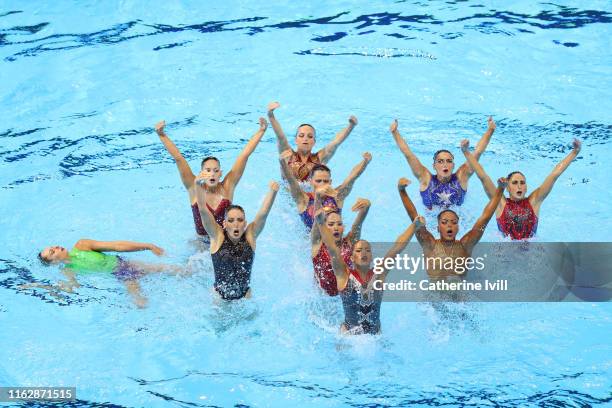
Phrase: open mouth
pixel 445 171
pixel 449 232
pixel 337 235
pixel 212 180
pixel 519 193
pixel 236 233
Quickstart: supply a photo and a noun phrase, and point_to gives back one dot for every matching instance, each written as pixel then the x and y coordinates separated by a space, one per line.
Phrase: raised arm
pixel 408 204
pixel 362 206
pixel 214 230
pixel 298 195
pixel 233 177
pixel 262 215
pixel 474 165
pixel 187 176
pixel 540 193
pixel 328 151
pixel 473 236
pixel 419 171
pixel 466 170
pixel 281 139
pixel 402 241
pixel 117 246
pixel 345 188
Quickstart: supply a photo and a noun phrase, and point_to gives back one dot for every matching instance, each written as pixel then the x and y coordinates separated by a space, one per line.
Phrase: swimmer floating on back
pixel 232 245
pixel 320 178
pixel 517 216
pixel 445 188
pixel 88 255
pixel 439 250
pixel 219 193
pixel 356 283
pixel 303 159
pixel 321 260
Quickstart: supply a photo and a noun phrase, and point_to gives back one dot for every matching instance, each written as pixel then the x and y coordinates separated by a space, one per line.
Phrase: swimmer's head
pixel 211 171
pixel 234 222
pixel 444 163
pixel 305 138
pixel 517 185
pixel 333 221
pixel 362 254
pixel 320 176
pixel 448 225
pixel 53 254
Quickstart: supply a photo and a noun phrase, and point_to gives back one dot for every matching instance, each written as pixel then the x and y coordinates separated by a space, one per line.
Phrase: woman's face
pixel 444 164
pixel 362 254
pixel 517 186
pixel 235 223
pixel 54 254
pixel 305 139
pixel 334 223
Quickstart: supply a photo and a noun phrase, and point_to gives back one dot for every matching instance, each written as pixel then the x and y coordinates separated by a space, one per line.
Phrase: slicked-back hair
pixel 319 167
pixel 445 211
pixel 314 131
pixel 233 207
pixel 435 156
pixel 207 158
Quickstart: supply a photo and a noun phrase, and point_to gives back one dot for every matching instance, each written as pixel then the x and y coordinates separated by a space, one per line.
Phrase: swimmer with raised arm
pixel 439 250
pixel 321 260
pixel 517 216
pixel 359 287
pixel 302 160
pixel 445 188
pixel 219 193
pixel 320 178
pixel 88 256
pixel 232 245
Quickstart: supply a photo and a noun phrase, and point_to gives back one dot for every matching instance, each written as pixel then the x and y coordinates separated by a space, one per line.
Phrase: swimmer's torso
pixel 439 194
pixel 91 261
pixel 361 303
pixel 232 264
pixel 436 258
pixel 301 170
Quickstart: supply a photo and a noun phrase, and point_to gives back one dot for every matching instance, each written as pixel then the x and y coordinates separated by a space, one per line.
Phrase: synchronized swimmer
pixel 343 265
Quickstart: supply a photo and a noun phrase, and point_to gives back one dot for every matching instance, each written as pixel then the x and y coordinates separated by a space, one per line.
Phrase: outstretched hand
pixel 159 127
pixel 367 156
pixel 403 183
pixel 360 204
pixel 419 221
pixel 465 145
pixel 263 124
pixel 272 106
pixel 353 120
pixel 393 127
pixel 327 190
pixel 577 145
pixel 274 186
pixel 286 154
pixel 156 250
pixel 502 182
pixel 491 123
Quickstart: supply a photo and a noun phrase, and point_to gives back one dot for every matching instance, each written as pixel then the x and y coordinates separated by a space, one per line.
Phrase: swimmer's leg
pixel 133 288
pixel 149 268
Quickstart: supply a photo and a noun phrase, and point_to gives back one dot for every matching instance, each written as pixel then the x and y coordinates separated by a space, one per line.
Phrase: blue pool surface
pixel 83 84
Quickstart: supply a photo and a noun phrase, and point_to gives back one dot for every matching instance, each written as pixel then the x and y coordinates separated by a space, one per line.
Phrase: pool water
pixel 82 87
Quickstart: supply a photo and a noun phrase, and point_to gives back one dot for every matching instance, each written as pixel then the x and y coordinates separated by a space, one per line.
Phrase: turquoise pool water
pixel 84 83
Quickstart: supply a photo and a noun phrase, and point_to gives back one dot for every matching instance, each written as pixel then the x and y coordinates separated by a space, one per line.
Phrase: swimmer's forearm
pixel 487 183
pixel 345 189
pixel 294 185
pixel 491 207
pixel 482 144
pixel 408 204
pixel 330 149
pixel 415 164
pixel 281 139
pixel 402 241
pixel 358 223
